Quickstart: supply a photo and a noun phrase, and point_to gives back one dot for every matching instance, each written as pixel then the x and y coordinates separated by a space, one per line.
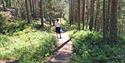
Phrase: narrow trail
pixel 64 54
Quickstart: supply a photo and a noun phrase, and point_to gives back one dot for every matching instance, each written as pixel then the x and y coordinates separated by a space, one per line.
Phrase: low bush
pixel 90 48
pixel 8 25
pixel 27 46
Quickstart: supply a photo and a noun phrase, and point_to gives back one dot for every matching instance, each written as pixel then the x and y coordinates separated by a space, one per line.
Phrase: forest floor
pixel 9 61
pixel 61 55
pixel 64 54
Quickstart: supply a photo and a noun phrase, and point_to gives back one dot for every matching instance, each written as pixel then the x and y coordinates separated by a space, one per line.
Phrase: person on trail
pixel 58 28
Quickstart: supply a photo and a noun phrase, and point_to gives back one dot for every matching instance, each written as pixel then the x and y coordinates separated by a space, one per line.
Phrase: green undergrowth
pixel 90 48
pixel 9 26
pixel 28 45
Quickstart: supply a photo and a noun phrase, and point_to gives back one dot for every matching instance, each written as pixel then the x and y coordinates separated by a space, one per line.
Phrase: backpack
pixel 61 30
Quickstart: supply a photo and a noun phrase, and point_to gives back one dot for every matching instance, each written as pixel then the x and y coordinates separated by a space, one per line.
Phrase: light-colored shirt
pixel 57 24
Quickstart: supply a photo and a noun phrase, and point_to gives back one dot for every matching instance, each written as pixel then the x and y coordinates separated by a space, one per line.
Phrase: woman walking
pixel 58 28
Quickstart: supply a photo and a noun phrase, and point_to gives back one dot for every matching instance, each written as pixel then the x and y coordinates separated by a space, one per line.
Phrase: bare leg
pixel 57 35
pixel 60 35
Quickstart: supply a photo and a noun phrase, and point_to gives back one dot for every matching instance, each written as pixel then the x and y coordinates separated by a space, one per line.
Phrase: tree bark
pixel 104 20
pixel 113 22
pixel 41 12
pixel 78 15
pixel 91 15
pixel 97 19
pixel 28 11
pixel 87 13
pixel 4 7
pixel 83 15
pixel 71 12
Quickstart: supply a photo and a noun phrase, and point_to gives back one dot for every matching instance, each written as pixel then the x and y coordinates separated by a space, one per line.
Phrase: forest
pixel 91 31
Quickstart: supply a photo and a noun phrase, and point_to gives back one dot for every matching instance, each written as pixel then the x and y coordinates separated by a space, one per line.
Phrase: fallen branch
pixel 58 48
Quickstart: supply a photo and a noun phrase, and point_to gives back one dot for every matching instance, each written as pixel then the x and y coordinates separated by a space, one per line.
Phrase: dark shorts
pixel 58 30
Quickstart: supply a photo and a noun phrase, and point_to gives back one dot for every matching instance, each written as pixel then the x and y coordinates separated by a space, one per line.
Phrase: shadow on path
pixel 63 51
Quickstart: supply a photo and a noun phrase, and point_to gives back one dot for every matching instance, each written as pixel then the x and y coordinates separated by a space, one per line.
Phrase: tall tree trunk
pixel 97 20
pixel 108 14
pixel 91 15
pixel 113 22
pixel 78 15
pixel 74 11
pixel 104 20
pixel 8 3
pixel 35 8
pixel 4 7
pixel 31 7
pixel 87 13
pixel 71 11
pixel 28 11
pixel 41 12
pixel 83 15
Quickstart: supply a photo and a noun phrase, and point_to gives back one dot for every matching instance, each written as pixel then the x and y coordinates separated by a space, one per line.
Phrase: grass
pixel 89 48
pixel 25 42
pixel 31 44
pixel 26 45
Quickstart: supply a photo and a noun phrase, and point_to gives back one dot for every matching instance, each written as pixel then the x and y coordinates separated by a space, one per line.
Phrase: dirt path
pixel 63 55
pixel 9 61
pixel 2 61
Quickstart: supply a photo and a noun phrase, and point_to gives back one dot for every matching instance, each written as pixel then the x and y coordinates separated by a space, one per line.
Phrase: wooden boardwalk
pixel 64 54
